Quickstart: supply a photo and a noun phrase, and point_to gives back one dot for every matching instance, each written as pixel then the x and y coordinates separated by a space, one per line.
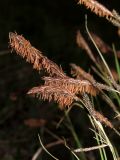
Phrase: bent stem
pixel 46 149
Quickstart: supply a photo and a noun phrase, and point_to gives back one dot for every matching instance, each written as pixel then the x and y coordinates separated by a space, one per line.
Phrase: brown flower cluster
pixel 75 86
pixel 58 86
pixel 97 8
pixel 101 11
pixel 34 56
pixel 61 96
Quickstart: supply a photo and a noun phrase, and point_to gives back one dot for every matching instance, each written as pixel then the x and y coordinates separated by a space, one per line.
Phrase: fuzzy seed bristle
pixel 101 11
pixel 97 8
pixel 73 85
pixel 61 96
pixel 34 56
pixel 80 73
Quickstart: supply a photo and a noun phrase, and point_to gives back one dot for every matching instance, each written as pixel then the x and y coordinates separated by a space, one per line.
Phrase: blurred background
pixel 51 27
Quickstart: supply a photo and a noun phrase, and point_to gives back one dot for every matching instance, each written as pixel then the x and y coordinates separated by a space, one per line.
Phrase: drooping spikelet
pixel 97 8
pixel 101 11
pixel 73 85
pixel 34 56
pixel 102 119
pixel 81 42
pixel 80 73
pixel 88 104
pixel 104 48
pixel 62 96
pixel 116 19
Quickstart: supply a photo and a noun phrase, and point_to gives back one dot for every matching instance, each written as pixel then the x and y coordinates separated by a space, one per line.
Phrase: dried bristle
pixel 73 85
pixel 34 56
pixel 116 14
pixel 97 8
pixel 102 11
pixel 79 72
pixel 116 20
pixel 62 96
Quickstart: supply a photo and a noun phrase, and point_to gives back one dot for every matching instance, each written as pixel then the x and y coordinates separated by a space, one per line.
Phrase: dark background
pixel 50 26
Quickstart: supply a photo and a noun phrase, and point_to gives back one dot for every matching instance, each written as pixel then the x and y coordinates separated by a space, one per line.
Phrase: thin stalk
pixel 82 155
pixel 97 48
pixel 46 149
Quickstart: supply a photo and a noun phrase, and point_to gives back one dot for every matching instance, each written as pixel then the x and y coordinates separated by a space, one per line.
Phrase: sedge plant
pixel 81 89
